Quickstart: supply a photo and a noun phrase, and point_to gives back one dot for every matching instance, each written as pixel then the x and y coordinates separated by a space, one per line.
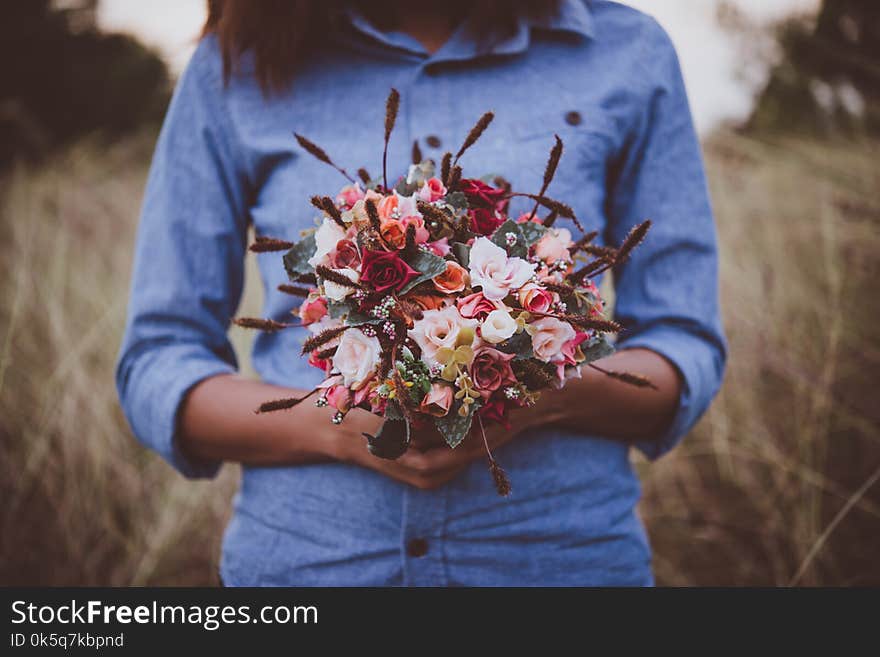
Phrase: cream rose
pixel 337 292
pixel 356 358
pixel 498 326
pixel 326 238
pixel 441 328
pixel 549 335
pixel 497 274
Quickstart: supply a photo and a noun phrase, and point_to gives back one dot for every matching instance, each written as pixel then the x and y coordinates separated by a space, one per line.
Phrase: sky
pixel 710 57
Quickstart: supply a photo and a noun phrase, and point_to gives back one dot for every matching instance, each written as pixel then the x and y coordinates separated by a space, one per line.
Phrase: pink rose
pixel 535 299
pixel 554 245
pixel 490 370
pixel 441 328
pixel 549 335
pixel 387 207
pixel 338 397
pixel 349 195
pixel 438 401
pixel 570 348
pixel 476 306
pixel 440 247
pixel 312 310
pixel 432 190
pixel 495 272
pixel 356 358
pixel 345 255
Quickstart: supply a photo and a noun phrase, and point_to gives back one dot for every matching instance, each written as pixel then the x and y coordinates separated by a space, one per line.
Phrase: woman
pixel 315 508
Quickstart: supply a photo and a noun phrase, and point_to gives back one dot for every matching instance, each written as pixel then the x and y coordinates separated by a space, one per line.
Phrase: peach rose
pixel 387 207
pixel 394 232
pixel 534 298
pixel 442 328
pixel 549 336
pixel 427 301
pixel 312 310
pixel 422 235
pixel 476 306
pixel 454 279
pixel 554 245
pixel 356 358
pixel 438 401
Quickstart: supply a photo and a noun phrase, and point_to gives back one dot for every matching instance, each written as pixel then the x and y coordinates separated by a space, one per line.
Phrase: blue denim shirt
pixel 602 76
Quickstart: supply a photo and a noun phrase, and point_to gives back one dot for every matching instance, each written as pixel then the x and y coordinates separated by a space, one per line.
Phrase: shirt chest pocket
pixel 521 153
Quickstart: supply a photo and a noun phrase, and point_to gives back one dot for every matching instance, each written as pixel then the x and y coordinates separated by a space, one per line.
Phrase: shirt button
pixel 417 547
pixel 573 118
pixel 433 141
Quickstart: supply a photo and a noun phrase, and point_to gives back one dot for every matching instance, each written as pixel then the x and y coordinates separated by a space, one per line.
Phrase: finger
pixel 438 459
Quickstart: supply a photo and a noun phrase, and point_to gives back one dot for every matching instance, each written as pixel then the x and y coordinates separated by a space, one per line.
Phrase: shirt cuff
pixel 152 395
pixel 700 365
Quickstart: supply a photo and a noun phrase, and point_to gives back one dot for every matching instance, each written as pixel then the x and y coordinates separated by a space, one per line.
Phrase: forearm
pixel 603 406
pixel 217 422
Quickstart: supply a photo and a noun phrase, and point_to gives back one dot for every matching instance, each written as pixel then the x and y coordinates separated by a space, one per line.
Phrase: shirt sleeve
pixel 667 293
pixel 188 265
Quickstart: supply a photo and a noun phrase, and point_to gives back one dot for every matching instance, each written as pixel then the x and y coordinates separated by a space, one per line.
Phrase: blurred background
pixel 777 485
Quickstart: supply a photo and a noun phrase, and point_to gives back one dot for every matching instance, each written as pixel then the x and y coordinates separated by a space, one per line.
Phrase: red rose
pixel 385 270
pixel 481 195
pixel 344 255
pixel 495 410
pixel 490 370
pixel 484 221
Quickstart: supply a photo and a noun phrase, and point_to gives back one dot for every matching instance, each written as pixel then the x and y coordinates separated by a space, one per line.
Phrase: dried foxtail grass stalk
pixel 294 290
pixel 549 171
pixel 283 404
pixel 322 338
pixel 590 269
pixel 416 152
pixel 392 105
pixel 553 205
pixel 499 476
pixel 632 240
pixel 475 133
pixel 260 324
pixel 445 168
pixel 317 152
pixel 334 276
pixel 328 207
pixel 364 175
pixel 637 380
pixel 269 245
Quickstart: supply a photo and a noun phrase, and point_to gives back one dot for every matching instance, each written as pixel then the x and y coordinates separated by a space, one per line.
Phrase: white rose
pixel 326 237
pixel 356 358
pixel 498 275
pixel 498 326
pixel 337 292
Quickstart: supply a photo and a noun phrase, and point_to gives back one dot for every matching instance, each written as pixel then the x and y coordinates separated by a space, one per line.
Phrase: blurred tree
pixel 63 78
pixel 828 78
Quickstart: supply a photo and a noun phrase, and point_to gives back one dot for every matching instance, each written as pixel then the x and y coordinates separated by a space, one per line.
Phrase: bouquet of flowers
pixel 431 307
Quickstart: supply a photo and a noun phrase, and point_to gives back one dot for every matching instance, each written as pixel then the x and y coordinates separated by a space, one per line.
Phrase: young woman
pixel 315 508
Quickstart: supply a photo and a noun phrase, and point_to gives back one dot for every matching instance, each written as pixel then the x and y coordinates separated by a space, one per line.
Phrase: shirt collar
pixel 572 16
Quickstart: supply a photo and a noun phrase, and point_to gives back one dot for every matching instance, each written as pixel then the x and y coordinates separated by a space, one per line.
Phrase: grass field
pixel 777 485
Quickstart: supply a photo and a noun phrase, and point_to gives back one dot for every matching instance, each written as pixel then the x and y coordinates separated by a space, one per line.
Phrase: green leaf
pixel 457 200
pixel 356 318
pixel 598 348
pixel 296 261
pixel 462 253
pixel 454 427
pixel 339 309
pixel 519 344
pixel 532 231
pixel 519 249
pixel 391 441
pixel 428 265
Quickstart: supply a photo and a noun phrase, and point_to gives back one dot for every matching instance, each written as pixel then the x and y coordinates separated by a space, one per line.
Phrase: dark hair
pixel 278 32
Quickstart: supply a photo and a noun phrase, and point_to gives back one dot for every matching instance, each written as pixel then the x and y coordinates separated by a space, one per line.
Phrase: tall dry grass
pixel 775 486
